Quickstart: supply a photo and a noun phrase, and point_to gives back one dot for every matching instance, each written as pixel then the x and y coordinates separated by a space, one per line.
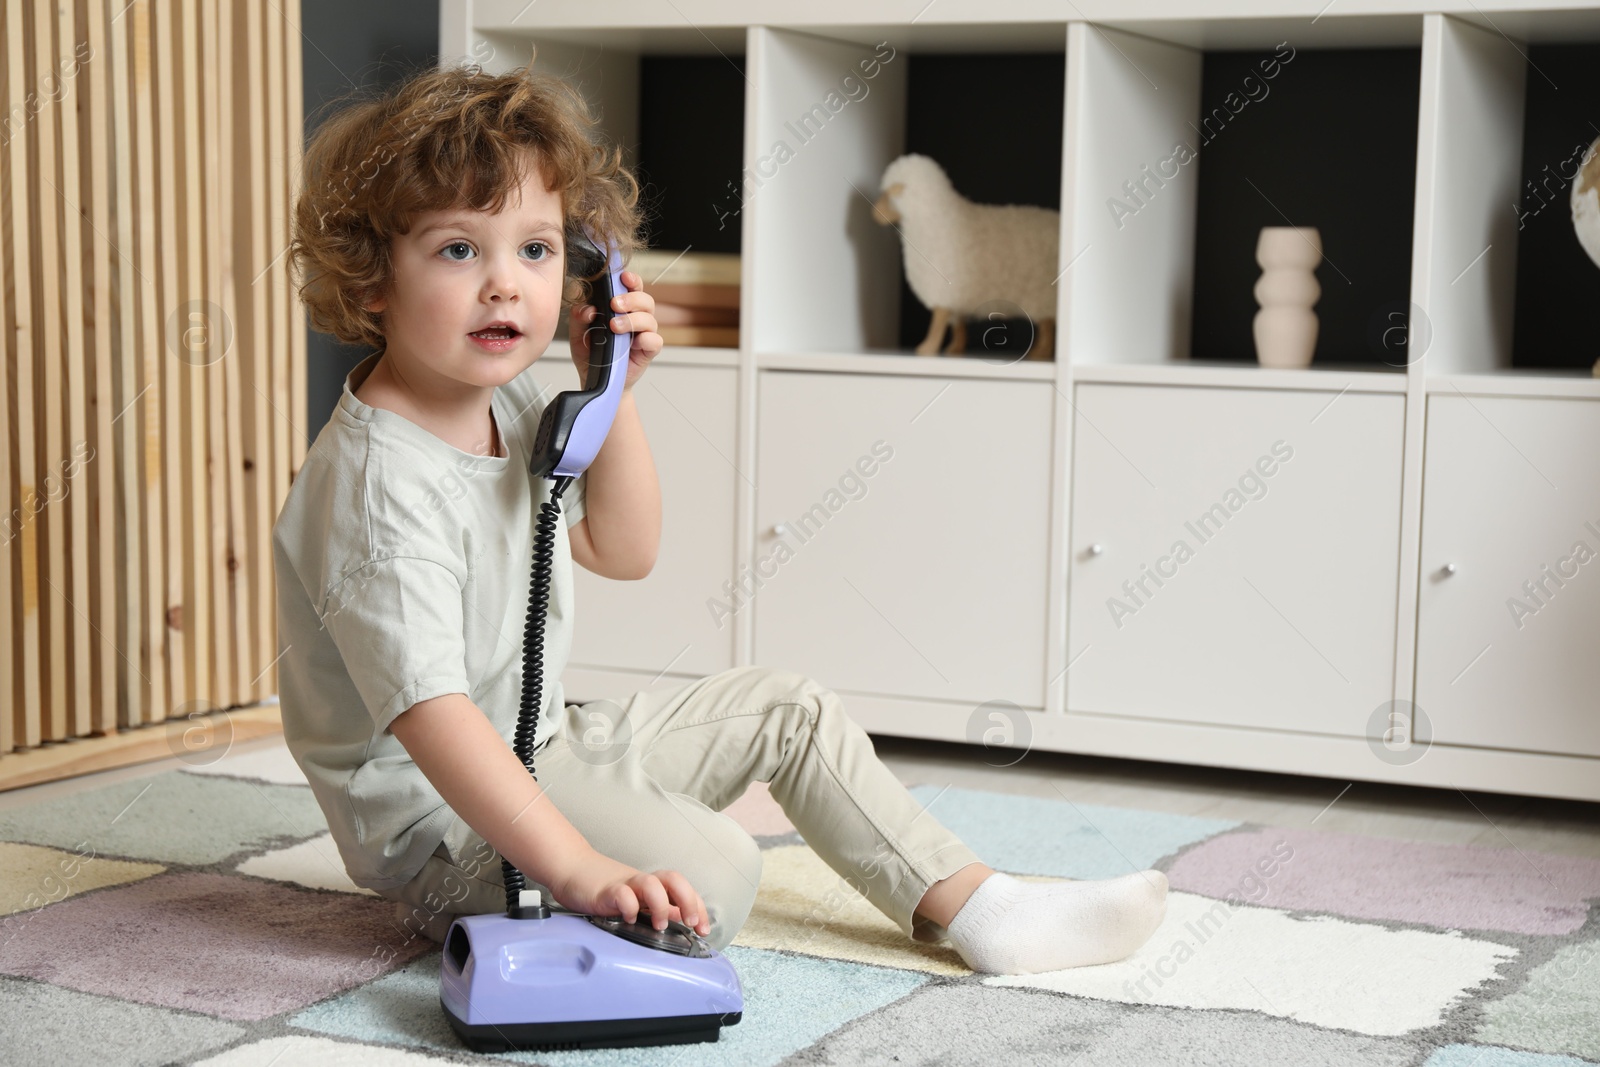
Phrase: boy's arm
pixel 620 531
pixel 623 495
pixel 456 747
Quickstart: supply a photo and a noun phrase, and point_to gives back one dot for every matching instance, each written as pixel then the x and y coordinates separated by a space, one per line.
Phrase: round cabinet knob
pixel 1096 548
pixel 1449 568
pixel 779 529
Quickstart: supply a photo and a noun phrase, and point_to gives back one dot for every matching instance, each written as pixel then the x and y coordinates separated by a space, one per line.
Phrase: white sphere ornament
pixel 1286 328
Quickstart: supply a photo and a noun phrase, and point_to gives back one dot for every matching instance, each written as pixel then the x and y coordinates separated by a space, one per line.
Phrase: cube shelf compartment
pixel 1301 137
pixel 992 120
pixel 691 149
pixel 1557 283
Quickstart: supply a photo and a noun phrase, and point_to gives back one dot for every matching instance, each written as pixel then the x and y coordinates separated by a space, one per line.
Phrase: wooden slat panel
pixel 48 357
pixel 168 149
pixel 282 427
pixel 72 506
pixel 100 459
pixel 7 508
pixel 238 544
pixel 10 325
pixel 253 257
pixel 219 636
pixel 154 358
pixel 121 448
pixel 197 621
pixel 279 59
pixel 155 652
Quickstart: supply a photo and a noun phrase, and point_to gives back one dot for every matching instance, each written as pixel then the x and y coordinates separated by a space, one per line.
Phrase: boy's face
pixel 457 271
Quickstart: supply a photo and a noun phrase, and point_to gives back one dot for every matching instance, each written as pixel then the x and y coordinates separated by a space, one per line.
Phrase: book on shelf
pixel 677 267
pixel 701 336
pixel 694 294
pixel 695 315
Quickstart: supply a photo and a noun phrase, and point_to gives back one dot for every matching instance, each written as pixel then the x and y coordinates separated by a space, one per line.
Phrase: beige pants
pixel 645 781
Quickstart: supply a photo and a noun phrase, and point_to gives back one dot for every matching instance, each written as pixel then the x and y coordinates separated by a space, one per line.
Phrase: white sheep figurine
pixel 960 256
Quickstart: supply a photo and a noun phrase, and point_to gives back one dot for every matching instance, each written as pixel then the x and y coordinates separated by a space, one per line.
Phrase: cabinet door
pixel 1506 640
pixel 902 538
pixel 1234 555
pixel 689 416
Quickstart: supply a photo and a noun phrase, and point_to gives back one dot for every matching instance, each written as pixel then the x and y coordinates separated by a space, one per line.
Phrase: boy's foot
pixel 1009 926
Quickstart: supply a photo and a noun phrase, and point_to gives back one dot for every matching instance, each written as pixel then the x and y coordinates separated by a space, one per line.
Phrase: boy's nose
pixel 500 278
pixel 500 287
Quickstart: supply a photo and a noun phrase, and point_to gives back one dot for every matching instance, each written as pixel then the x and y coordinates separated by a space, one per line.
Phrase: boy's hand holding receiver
pixel 635 313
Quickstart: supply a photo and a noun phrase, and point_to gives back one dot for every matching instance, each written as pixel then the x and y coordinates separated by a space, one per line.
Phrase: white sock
pixel 1009 926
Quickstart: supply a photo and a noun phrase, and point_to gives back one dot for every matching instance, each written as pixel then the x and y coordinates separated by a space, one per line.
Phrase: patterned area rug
pixel 203 916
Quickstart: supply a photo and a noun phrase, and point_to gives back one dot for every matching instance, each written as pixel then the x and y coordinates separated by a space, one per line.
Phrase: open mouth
pixel 496 333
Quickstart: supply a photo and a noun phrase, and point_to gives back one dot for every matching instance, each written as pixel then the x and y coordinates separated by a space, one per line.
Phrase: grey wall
pixel 354 47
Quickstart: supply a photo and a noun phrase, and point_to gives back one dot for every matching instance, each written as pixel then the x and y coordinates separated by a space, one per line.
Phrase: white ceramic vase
pixel 1286 327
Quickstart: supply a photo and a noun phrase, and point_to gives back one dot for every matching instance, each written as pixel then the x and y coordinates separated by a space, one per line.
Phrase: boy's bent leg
pixel 710 739
pixel 462 877
pixel 605 791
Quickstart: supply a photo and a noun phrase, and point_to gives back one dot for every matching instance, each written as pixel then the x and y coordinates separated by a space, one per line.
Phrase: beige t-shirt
pixel 403 568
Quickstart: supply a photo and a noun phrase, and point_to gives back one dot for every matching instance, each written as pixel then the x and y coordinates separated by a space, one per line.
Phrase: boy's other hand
pixel 599 885
pixel 635 313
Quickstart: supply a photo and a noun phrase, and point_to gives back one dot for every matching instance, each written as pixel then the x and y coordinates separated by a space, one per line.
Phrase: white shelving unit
pixel 978 567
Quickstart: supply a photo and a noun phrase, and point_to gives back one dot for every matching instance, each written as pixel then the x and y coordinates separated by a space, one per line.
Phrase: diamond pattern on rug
pixel 297 1049
pixel 790 1002
pixel 957 1025
pixel 64 1028
pixel 273 764
pixel 1489 1056
pixel 1459 887
pixel 1321 970
pixel 805 906
pixel 315 864
pixel 1041 835
pixel 1557 1010
pixel 171 818
pixel 218 944
pixel 32 876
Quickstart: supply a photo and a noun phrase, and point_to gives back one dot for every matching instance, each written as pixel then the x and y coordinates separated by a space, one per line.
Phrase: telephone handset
pixel 575 423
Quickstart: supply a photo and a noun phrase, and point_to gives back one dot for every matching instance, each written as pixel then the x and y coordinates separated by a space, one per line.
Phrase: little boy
pixel 432 227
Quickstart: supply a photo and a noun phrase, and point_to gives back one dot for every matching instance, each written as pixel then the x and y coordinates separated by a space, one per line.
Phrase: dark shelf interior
pixel 993 122
pixel 1557 282
pixel 691 150
pixel 1328 141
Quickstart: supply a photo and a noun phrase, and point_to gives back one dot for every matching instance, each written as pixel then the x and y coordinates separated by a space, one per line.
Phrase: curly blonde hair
pixel 444 139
